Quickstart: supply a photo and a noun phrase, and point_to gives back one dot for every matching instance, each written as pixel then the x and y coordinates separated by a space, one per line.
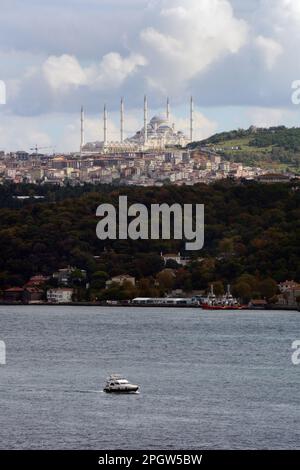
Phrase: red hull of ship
pixel 222 307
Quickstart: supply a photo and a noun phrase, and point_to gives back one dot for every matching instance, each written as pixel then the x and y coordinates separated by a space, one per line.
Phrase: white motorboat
pixel 118 384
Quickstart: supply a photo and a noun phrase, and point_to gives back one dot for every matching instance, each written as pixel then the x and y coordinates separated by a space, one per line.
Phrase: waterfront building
pixel 121 280
pixel 59 295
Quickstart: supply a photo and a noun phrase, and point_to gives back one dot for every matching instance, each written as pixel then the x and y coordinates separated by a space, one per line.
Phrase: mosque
pixel 157 134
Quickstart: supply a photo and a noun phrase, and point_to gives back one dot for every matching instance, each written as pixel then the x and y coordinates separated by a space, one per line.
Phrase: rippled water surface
pixel 208 380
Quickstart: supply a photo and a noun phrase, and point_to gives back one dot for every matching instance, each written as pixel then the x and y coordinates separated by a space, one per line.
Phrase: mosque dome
pixel 157 120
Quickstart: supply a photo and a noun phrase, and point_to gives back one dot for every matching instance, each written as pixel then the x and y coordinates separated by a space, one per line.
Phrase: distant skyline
pixel 238 58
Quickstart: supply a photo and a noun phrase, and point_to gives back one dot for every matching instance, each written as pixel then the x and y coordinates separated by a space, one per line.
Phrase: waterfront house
pixel 289 296
pixel 120 280
pixel 13 294
pixel 37 280
pixel 32 295
pixel 65 276
pixel 59 295
pixel 288 286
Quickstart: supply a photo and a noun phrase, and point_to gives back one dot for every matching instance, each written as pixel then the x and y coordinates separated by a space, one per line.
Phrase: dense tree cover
pixel 258 146
pixel 287 139
pixel 280 136
pixel 223 137
pixel 252 234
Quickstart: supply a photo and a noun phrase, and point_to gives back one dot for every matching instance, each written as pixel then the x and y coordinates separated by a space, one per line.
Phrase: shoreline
pixel 126 305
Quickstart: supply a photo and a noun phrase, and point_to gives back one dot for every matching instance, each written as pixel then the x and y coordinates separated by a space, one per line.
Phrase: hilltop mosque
pixel 157 134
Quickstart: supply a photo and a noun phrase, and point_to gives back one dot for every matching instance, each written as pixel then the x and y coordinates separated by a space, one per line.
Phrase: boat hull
pixel 124 390
pixel 223 307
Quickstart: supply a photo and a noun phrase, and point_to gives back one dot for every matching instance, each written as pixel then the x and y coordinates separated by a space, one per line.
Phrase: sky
pixel 237 58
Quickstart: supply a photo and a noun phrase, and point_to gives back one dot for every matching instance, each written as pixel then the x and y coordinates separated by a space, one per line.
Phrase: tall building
pixel 157 134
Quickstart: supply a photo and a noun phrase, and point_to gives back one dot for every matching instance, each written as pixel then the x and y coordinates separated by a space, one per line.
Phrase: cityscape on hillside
pixel 155 155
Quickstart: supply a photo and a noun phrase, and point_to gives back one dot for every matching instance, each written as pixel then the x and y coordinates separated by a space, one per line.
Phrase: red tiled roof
pixel 14 289
pixel 33 289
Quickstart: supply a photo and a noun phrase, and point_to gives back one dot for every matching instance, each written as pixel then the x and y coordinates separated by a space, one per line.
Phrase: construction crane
pixel 36 148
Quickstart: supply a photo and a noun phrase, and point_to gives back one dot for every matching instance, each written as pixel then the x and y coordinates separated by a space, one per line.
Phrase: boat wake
pixel 55 390
pixel 83 391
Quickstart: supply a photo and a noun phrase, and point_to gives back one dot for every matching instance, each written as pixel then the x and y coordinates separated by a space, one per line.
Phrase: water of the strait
pixel 208 380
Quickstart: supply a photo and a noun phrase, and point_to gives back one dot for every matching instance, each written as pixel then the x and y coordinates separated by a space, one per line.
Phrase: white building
pixel 156 134
pixel 121 280
pixel 160 134
pixel 175 257
pixel 164 301
pixel 59 296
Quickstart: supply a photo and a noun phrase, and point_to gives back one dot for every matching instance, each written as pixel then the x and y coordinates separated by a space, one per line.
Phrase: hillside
pixel 250 230
pixel 275 147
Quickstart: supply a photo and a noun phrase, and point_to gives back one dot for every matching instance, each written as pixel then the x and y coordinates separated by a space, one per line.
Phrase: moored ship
pixel 225 302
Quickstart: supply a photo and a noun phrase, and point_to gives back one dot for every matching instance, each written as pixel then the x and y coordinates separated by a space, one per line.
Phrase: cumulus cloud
pixel 203 127
pixel 290 8
pixel 114 69
pixel 267 117
pixel 22 133
pixel 227 53
pixel 187 38
pixel 175 39
pixel 65 72
pixel 270 49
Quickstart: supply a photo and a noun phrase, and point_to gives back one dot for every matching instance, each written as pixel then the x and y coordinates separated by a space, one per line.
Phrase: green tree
pixel 166 279
pixel 243 291
pixel 268 288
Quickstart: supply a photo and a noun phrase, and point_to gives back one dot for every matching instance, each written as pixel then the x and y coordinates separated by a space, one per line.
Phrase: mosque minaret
pixel 81 129
pixel 157 134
